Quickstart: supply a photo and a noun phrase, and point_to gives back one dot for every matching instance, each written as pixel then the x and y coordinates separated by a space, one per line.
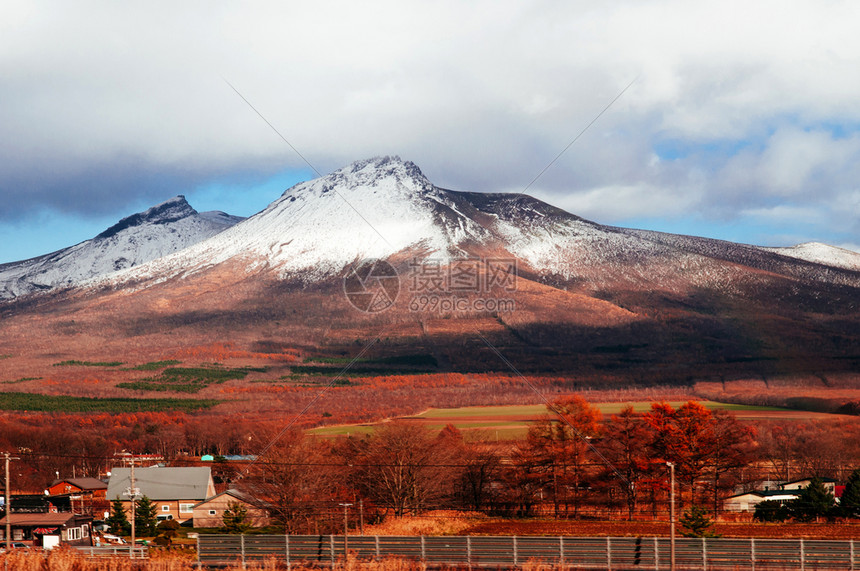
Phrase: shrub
pixel 696 523
pixel 770 511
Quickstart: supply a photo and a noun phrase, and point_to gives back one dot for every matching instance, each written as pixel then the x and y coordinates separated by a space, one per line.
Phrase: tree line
pixel 573 462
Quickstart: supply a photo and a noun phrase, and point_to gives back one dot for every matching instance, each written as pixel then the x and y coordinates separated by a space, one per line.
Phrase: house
pixel 747 501
pixel 86 495
pixel 174 491
pixel 48 529
pixel 79 486
pixel 210 513
pixel 829 484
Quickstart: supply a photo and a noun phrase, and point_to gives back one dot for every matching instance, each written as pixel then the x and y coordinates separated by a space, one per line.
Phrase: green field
pixel 76 363
pixel 34 402
pixel 607 409
pixel 512 421
pixel 189 379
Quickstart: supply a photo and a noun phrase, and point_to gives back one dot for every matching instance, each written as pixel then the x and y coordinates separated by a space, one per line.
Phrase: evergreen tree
pixel 117 520
pixel 850 502
pixel 813 502
pixel 236 518
pixel 770 511
pixel 145 518
pixel 696 523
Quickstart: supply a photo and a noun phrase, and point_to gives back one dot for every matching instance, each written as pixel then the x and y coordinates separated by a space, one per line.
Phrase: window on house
pixel 165 508
pixel 86 530
pixel 213 512
pixel 73 533
pixel 186 508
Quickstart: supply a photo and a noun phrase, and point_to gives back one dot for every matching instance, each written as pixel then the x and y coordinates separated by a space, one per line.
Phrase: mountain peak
pixel 168 211
pixel 388 165
pixel 163 229
pixel 390 173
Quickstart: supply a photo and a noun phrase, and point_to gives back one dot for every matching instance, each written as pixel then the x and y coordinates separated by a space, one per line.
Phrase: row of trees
pixel 570 462
pixel 84 444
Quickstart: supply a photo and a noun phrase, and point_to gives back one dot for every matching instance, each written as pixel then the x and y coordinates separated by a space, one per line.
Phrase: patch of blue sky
pixel 46 232
pixel 240 194
pixel 837 130
pixel 671 148
pixel 744 229
pixel 676 149
pixel 244 194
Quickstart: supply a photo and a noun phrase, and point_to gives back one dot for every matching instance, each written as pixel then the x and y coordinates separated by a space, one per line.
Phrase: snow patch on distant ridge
pixel 821 254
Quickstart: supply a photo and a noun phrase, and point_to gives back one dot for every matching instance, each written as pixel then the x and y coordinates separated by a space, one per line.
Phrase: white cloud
pixel 797 162
pixel 612 203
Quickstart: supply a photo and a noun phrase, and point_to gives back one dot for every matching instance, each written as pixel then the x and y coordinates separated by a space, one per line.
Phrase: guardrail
pixel 611 553
pixel 114 551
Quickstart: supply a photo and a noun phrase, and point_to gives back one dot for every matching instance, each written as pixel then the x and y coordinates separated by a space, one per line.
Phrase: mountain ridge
pixel 136 239
pixel 385 207
pixel 589 302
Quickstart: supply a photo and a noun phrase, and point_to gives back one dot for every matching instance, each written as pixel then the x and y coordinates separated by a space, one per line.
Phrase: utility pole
pixel 671 515
pixel 361 516
pixel 132 492
pixel 8 500
pixel 345 530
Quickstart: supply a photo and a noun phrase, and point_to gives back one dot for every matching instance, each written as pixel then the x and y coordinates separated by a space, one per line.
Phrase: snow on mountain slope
pixel 134 240
pixel 370 209
pixel 378 208
pixel 821 254
pixel 384 206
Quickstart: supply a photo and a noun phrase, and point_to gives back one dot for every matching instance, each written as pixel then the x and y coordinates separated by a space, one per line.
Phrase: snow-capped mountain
pixel 385 207
pixel 134 240
pixel 591 300
pixel 822 254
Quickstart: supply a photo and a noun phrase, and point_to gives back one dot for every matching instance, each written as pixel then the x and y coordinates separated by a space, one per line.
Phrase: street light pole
pixel 345 530
pixel 671 515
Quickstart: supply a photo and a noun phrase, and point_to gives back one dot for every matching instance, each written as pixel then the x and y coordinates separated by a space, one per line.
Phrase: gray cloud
pixel 105 103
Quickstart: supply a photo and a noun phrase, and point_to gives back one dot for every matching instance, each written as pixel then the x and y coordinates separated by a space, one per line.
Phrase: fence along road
pixel 611 553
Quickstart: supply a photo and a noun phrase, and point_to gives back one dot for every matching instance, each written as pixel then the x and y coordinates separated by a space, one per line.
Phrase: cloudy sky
pixel 742 121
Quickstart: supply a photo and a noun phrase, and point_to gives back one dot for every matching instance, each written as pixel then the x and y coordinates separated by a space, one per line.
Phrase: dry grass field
pixel 70 560
pixel 512 421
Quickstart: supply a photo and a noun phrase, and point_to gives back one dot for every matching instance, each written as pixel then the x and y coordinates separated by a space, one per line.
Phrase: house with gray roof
pixel 174 491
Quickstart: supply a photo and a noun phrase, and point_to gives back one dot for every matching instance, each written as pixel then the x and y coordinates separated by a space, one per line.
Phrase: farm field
pixel 512 421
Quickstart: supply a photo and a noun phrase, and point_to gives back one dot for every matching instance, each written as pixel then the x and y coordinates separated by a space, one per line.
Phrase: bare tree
pixel 734 449
pixel 297 479
pixel 402 467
